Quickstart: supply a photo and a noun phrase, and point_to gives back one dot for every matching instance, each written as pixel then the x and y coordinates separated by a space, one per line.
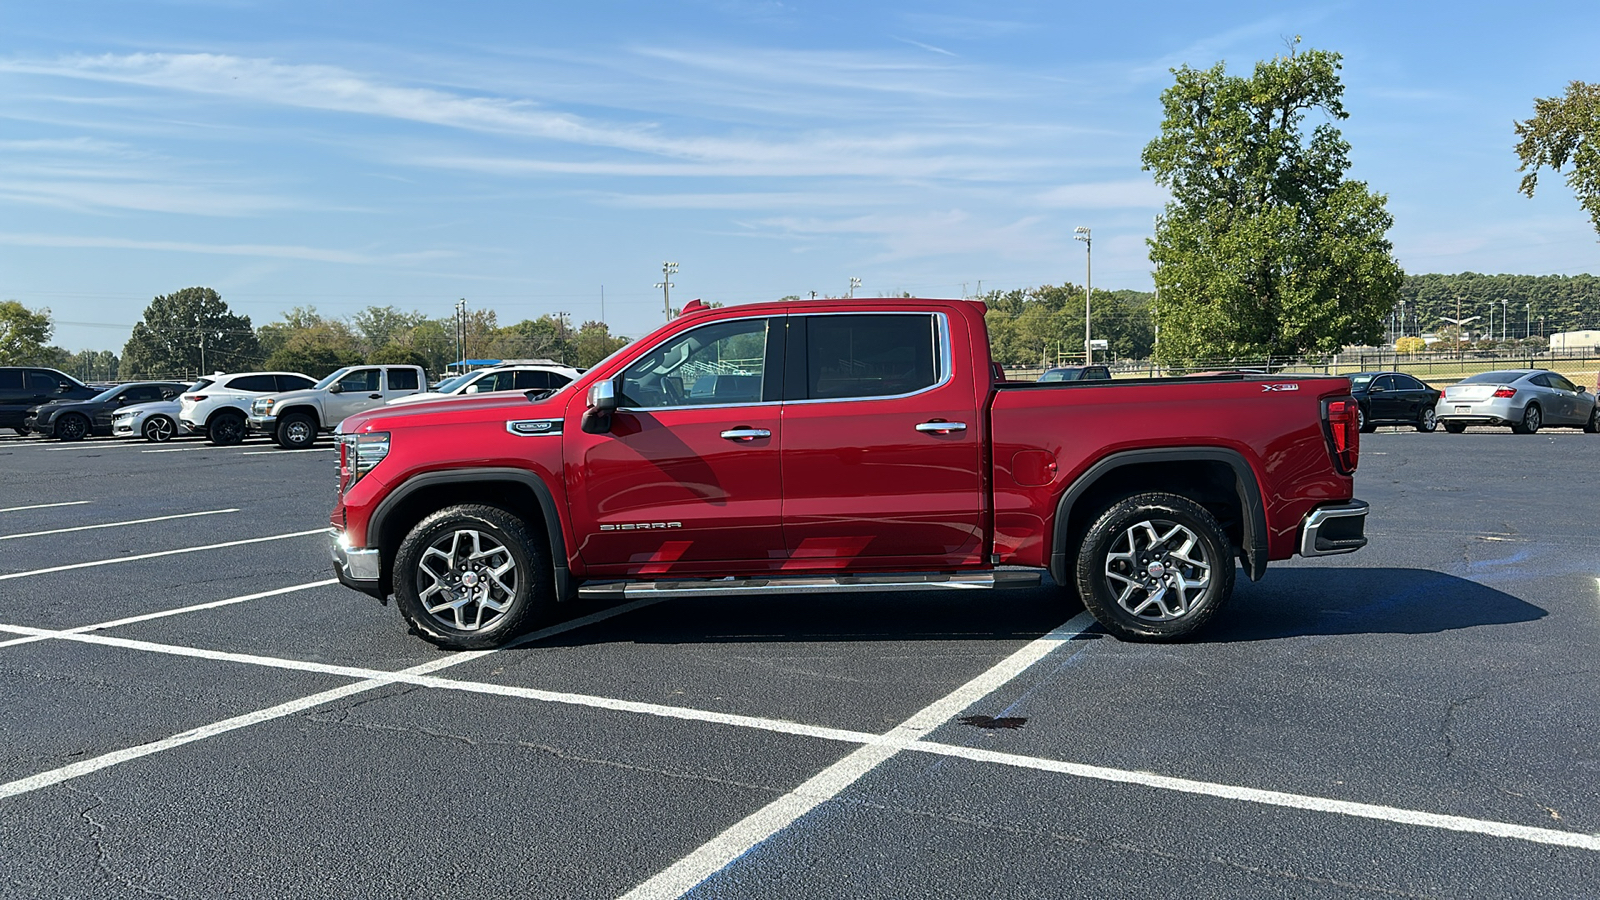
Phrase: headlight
pixel 360 454
pixel 263 407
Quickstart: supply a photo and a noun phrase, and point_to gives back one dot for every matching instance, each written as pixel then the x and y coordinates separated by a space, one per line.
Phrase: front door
pixel 687 478
pixel 359 389
pixel 882 444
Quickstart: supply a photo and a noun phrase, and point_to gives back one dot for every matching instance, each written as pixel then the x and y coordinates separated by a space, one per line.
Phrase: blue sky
pixel 523 155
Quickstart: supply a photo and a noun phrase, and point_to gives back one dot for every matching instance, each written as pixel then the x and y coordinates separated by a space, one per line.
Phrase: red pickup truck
pixel 840 445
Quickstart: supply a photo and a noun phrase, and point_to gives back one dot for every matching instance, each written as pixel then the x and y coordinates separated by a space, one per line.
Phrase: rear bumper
pixel 356 568
pixel 1334 528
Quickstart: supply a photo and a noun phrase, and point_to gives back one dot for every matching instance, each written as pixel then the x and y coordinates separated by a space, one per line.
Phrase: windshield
pixel 1492 378
pixel 331 378
pixel 450 384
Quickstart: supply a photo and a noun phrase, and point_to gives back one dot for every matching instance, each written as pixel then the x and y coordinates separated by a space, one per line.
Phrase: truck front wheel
pixel 470 577
pixel 1155 567
pixel 296 431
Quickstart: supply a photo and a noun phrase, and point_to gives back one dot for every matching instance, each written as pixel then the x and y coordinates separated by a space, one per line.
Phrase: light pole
pixel 1503 316
pixel 1491 320
pixel 668 269
pixel 1082 234
pixel 1460 324
pixel 1402 318
pixel 1527 321
pixel 854 283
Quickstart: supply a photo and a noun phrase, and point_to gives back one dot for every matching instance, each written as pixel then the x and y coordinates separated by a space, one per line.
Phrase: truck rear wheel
pixel 1155 567
pixel 470 577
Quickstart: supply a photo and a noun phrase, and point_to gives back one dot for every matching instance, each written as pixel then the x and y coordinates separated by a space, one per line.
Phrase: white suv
pixel 498 378
pixel 218 405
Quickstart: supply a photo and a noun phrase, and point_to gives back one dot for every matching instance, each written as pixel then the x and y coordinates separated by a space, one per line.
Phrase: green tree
pixel 395 354
pixel 594 342
pixel 1265 249
pixel 547 337
pixel 272 336
pixel 23 334
pixel 318 349
pixel 187 331
pixel 380 326
pixel 1565 130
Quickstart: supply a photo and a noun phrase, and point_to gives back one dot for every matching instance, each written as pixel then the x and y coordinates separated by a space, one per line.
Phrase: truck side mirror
pixel 602 400
pixel 336 388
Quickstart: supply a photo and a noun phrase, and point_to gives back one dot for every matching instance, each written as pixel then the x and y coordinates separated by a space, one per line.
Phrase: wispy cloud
pixel 1106 195
pixel 269 251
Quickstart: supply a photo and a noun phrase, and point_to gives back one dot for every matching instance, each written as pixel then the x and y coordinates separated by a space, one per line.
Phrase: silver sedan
pixel 1525 399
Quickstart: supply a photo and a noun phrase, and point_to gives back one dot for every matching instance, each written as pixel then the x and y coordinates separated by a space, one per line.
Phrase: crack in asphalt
pixel 550 751
pixel 1145 850
pixel 101 867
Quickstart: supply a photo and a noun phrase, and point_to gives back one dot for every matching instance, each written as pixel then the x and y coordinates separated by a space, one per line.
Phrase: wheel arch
pixel 1211 476
pixel 304 409
pixel 517 491
pixel 224 410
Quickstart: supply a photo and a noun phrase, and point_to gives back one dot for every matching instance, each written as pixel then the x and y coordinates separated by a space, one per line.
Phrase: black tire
pixel 1363 421
pixel 1118 565
pixel 1593 425
pixel 1427 420
pixel 225 429
pixel 1532 420
pixel 21 429
pixel 159 429
pixel 296 431
pixel 1455 427
pixel 450 555
pixel 71 427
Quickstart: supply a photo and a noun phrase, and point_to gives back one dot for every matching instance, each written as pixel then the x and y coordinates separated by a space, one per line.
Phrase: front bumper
pixel 1334 528
pixel 356 568
pixel 267 425
pixel 124 428
pixel 33 424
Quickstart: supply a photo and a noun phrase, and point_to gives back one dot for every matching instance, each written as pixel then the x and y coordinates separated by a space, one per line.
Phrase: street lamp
pixel 667 271
pixel 1503 302
pixel 1527 321
pixel 1461 324
pixel 1082 234
pixel 854 283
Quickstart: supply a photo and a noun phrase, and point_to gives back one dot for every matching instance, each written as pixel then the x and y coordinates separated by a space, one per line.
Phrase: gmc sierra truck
pixel 855 445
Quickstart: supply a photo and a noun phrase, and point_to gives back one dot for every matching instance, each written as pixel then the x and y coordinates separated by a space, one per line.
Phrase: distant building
pixel 1575 341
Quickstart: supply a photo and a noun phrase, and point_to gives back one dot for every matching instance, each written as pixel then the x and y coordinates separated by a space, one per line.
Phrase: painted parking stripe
pixel 836 778
pixel 311 450
pixel 118 757
pixel 711 857
pixel 209 512
pixel 45 505
pixel 162 614
pixel 123 559
pixel 1273 798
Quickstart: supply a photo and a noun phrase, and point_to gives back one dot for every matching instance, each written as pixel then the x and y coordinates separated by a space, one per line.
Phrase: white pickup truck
pixel 295 418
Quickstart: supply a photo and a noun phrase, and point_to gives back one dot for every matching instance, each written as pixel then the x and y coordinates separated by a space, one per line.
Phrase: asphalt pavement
pixel 193 710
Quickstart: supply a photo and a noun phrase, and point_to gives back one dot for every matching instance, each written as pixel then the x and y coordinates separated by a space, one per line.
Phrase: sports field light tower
pixel 668 269
pixel 854 283
pixel 1082 234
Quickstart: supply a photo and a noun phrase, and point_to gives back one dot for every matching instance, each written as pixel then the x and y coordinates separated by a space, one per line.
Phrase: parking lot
pixel 194 708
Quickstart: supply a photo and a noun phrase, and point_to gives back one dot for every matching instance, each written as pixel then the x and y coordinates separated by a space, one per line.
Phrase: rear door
pixel 399 381
pixel 882 443
pixel 686 480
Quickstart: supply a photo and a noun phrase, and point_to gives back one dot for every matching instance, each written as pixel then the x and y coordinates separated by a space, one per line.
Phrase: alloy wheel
pixel 1157 569
pixel 466 579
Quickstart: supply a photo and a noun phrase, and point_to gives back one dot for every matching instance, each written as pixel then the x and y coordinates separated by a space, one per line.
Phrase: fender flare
pixel 565 589
pixel 1254 520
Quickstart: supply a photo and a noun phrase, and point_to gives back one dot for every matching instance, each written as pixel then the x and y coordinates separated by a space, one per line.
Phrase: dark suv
pixel 74 420
pixel 24 387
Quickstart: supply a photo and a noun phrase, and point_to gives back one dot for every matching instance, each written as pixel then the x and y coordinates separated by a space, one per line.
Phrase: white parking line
pixel 122 559
pixel 106 761
pixel 312 450
pixel 209 512
pixel 875 748
pixel 712 856
pixel 145 617
pixel 45 505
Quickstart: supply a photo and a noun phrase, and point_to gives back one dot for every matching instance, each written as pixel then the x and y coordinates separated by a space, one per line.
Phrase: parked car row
pixel 290 408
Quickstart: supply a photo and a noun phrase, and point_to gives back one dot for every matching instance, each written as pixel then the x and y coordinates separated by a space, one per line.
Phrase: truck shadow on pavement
pixel 1300 602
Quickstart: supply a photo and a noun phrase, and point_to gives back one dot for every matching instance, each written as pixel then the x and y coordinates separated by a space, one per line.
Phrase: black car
pixel 24 387
pixel 74 420
pixel 1394 398
pixel 1077 373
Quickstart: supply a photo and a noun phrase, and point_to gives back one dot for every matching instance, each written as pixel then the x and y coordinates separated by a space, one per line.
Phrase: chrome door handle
pixel 941 427
pixel 746 434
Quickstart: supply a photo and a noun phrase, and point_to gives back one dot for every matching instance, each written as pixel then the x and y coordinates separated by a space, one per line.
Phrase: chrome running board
pixel 810 584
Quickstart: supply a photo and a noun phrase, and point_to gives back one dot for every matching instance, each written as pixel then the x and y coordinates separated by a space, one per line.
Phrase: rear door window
pixel 403 379
pixel 43 382
pixel 858 356
pixel 537 381
pixel 293 382
pixel 255 384
pixel 10 380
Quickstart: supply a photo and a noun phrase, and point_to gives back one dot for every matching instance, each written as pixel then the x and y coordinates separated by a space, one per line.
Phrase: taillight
pixel 1506 392
pixel 1344 432
pixel 195 398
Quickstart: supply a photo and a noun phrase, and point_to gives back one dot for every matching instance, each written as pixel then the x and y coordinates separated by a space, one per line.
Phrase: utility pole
pixel 668 269
pixel 461 332
pixel 854 283
pixel 1082 234
pixel 561 330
